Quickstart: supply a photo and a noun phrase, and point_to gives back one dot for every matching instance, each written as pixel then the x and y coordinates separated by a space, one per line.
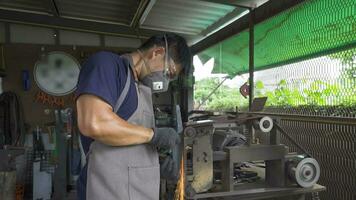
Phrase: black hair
pixel 177 48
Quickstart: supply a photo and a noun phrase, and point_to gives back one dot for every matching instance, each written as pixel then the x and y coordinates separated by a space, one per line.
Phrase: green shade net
pixel 312 28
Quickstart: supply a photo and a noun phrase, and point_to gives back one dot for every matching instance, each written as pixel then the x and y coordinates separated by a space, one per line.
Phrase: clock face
pixel 57 74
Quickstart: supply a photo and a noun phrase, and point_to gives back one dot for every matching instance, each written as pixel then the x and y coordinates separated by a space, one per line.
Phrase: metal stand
pixel 60 174
pixel 203 160
pixel 272 154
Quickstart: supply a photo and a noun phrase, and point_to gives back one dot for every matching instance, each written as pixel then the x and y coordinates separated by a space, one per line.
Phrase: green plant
pixel 224 98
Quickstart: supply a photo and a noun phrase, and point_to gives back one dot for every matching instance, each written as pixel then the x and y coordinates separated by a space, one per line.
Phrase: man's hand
pixel 165 138
pixel 189 190
pixel 169 169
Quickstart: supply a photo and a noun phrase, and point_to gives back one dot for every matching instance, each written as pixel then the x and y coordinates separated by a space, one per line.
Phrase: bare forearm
pixel 117 132
pixel 97 120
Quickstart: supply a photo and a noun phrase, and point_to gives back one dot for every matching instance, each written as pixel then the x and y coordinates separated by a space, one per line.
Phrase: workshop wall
pixel 31 35
pixel 78 38
pixel 2 32
pixel 11 33
pixel 20 57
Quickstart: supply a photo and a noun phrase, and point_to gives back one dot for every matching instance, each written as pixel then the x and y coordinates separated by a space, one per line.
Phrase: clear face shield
pixel 159 81
pixel 170 70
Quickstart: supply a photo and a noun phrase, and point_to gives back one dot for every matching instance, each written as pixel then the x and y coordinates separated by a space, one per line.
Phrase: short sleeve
pixel 99 76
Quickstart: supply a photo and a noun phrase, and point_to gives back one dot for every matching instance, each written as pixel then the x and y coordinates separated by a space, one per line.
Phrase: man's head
pixel 166 52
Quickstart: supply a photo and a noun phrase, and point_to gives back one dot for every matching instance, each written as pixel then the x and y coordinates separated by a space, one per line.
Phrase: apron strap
pixel 83 156
pixel 124 92
pixel 118 104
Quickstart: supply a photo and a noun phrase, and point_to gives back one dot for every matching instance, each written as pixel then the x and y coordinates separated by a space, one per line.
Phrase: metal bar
pixel 212 92
pixel 256 153
pixel 147 11
pixel 243 6
pixel 262 13
pixel 139 12
pixel 274 138
pixel 73 24
pixel 292 140
pixel 184 103
pixel 251 58
pixel 54 7
pixel 306 118
pixel 248 4
pixel 214 27
pixel 275 172
pixel 95 20
pixel 249 134
pixel 263 193
pixel 186 31
pixel 227 174
pixel 186 93
pixel 251 72
pixel 219 155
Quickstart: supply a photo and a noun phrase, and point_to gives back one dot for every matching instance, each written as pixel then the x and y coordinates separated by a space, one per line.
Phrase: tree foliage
pixel 224 98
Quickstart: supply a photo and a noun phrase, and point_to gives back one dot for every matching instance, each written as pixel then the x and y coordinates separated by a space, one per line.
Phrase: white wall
pixel 40 35
pixel 78 38
pixel 112 41
pixel 31 34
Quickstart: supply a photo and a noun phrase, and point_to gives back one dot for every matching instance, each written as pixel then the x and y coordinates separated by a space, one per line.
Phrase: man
pixel 115 116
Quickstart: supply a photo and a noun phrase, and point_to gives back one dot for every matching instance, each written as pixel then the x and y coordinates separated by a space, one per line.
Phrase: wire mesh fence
pixel 310 29
pixel 319 87
pixel 323 86
pixel 334 147
pixel 306 57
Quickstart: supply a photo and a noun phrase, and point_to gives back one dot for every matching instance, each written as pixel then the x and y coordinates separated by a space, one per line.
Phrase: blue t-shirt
pixel 104 75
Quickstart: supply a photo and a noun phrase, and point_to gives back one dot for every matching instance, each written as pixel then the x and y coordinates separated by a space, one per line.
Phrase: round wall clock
pixel 57 74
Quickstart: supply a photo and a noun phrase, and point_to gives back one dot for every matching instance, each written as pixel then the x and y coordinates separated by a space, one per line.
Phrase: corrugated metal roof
pixel 191 18
pixel 110 11
pixel 25 5
pixel 184 16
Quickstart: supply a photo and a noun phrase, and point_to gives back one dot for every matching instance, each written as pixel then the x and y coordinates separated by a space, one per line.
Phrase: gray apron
pixel 130 172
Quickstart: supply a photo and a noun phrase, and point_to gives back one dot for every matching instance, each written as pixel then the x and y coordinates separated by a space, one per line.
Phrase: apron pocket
pixel 144 183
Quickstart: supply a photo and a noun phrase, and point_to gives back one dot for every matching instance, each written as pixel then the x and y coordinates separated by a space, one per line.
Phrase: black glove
pixel 165 138
pixel 189 190
pixel 169 169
